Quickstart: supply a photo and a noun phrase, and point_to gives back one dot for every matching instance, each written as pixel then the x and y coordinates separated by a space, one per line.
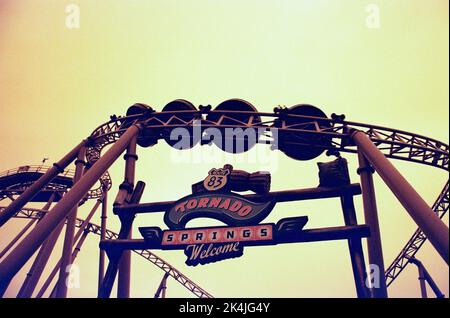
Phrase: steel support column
pixel 123 285
pixel 25 229
pixel 26 248
pixel 39 263
pixel 433 227
pixel 114 256
pixel 41 259
pixel 66 258
pixel 80 231
pixel 162 287
pixel 422 282
pixel 355 249
pixel 424 276
pixel 75 252
pixel 374 246
pixel 101 262
pixel 17 237
pixel 31 191
pixel 113 265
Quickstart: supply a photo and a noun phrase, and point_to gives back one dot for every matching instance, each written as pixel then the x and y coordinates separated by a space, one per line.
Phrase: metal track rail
pixel 395 144
pixel 440 207
pixel 95 193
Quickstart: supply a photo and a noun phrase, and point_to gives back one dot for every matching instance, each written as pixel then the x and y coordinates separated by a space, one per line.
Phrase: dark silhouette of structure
pixel 303 133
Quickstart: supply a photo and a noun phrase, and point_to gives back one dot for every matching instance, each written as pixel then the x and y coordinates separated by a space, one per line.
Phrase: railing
pixel 38 169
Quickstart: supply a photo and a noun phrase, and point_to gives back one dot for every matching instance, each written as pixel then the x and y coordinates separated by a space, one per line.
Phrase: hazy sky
pixel 57 84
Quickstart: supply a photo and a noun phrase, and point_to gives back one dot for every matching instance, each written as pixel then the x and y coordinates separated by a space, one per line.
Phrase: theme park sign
pixel 230 208
pixel 212 244
pixel 215 201
pixel 206 245
pixel 214 198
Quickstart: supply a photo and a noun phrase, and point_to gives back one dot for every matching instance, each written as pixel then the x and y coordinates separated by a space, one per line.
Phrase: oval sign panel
pixel 230 208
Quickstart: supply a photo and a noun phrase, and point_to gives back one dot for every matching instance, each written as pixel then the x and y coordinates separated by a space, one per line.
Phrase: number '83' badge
pixel 216 179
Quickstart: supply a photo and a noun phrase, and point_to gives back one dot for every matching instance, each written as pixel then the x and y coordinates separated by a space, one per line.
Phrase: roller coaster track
pixel 395 144
pixel 31 173
pixel 30 213
pixel 440 207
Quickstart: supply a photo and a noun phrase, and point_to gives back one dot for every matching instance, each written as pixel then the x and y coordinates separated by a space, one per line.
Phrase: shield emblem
pixel 216 179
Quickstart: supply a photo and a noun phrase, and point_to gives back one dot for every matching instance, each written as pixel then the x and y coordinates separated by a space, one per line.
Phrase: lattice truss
pixel 392 143
pixel 440 207
pixel 31 213
pixel 395 144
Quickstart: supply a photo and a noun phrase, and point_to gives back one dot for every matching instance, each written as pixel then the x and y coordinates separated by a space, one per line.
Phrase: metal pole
pixel 66 257
pixel 80 231
pixel 162 287
pixel 101 263
pixel 425 276
pixel 374 246
pixel 18 236
pixel 113 265
pixel 19 256
pixel 39 263
pixel 124 264
pixel 25 229
pixel 355 249
pixel 163 292
pixel 423 286
pixel 41 259
pixel 432 283
pixel 30 192
pixel 77 248
pixel 433 227
pixel 74 256
pixel 123 285
pixel 86 221
pixel 114 257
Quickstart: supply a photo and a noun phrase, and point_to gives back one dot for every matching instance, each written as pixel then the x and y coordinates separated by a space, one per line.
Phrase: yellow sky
pixel 58 84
